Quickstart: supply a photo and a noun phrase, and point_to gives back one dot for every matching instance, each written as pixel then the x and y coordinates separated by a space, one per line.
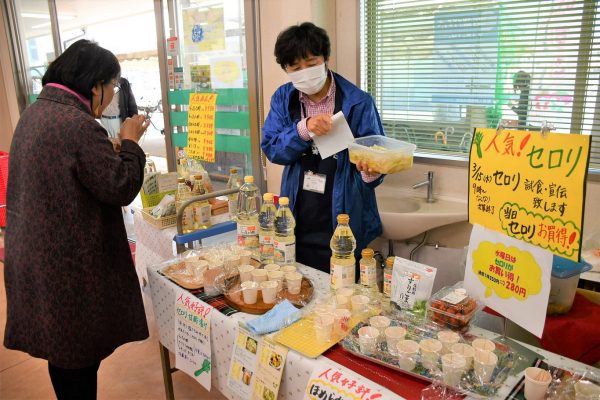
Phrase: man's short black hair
pixel 82 65
pixel 298 41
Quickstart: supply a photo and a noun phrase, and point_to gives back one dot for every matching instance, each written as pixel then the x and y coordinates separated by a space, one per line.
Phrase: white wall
pixel 341 20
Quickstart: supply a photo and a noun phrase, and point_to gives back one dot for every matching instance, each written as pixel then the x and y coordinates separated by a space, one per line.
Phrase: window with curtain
pixel 438 69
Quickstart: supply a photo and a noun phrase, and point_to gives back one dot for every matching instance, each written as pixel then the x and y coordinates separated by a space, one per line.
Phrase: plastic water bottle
pixel 266 231
pixel 342 254
pixel 247 215
pixel 388 275
pixel 368 269
pixel 234 182
pixel 285 239
pixel 182 195
pixel 200 209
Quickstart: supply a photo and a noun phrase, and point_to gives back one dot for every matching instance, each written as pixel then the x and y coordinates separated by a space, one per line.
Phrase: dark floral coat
pixel 72 292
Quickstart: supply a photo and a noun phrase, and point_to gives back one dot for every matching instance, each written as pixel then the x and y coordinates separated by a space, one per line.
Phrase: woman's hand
pixel 133 128
pixel 319 124
pixel 363 166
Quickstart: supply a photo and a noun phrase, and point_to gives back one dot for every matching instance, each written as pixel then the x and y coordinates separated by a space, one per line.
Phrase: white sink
pixel 405 215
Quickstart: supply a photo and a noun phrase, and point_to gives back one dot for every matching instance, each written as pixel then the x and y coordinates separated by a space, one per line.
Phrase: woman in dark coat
pixel 72 292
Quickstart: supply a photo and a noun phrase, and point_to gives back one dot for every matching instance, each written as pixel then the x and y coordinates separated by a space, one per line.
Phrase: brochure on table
pixel 510 276
pixel 332 381
pixel 192 337
pixel 256 366
pixel 530 186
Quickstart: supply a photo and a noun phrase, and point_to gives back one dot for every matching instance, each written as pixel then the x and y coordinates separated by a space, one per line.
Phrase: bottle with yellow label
pixel 368 269
pixel 201 209
pixel 247 215
pixel 184 193
pixel 388 273
pixel 285 239
pixel 266 231
pixel 342 262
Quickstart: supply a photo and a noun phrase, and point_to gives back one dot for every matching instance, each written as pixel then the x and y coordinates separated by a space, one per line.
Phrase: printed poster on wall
pixel 256 366
pixel 332 381
pixel 203 29
pixel 226 72
pixel 530 186
pixel 510 276
pixel 192 337
pixel 201 126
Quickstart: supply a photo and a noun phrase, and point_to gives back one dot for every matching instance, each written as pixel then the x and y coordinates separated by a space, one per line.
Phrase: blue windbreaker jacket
pixel 351 195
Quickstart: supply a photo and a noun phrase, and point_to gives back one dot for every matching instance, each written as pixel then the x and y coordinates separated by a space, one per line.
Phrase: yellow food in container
pixel 382 154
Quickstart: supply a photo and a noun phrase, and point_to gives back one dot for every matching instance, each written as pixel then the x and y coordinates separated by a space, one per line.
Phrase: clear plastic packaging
pixel 424 352
pixel 382 154
pixel 452 307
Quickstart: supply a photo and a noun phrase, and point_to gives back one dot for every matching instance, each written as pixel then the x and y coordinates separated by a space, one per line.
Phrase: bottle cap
pixel 180 180
pixel 249 179
pixel 233 170
pixel 284 201
pixel 268 196
pixel 198 177
pixel 367 252
pixel 341 218
pixel 389 262
pixel 147 155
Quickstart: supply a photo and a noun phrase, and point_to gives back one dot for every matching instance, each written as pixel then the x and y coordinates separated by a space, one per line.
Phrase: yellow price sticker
pixel 507 271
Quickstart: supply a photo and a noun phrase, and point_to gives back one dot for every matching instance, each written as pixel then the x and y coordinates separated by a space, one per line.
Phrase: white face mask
pixel 309 80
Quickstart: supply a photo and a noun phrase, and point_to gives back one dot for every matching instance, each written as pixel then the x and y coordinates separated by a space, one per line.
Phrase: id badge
pixel 314 182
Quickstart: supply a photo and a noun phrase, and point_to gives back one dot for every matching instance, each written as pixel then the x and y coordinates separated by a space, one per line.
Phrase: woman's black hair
pixel 298 41
pixel 82 65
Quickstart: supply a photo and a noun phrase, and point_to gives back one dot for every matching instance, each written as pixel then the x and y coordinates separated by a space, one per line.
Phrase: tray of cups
pixel 257 289
pixel 472 365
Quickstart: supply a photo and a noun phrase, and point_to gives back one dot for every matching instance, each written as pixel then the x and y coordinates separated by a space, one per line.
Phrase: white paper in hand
pixel 337 139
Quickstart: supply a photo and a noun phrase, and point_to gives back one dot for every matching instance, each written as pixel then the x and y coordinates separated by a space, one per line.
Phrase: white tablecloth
pixel 298 368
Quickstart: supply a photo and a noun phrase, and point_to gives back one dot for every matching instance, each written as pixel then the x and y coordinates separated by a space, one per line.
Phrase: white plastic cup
pixel 360 303
pixel 430 352
pixel 466 351
pixel 407 354
pixel 324 327
pixel 276 276
pixel 269 291
pixel 380 322
pixel 345 291
pixel 484 363
pixel 259 275
pixel 294 282
pixel 453 367
pixel 481 344
pixel 341 321
pixel 272 267
pixel 342 301
pixel 245 272
pixel 367 339
pixel 288 268
pixel 324 308
pixel 537 381
pixel 250 292
pixel 393 334
pixel 245 256
pixel 448 338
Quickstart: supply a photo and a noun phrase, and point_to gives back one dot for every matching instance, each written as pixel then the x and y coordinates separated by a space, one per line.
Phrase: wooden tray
pixel 234 298
pixel 178 274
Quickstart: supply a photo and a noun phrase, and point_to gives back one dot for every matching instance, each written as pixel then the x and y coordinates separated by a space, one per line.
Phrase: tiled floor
pixel 132 372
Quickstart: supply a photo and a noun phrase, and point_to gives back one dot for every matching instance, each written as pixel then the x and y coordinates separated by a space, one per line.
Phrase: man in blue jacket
pixel 320 189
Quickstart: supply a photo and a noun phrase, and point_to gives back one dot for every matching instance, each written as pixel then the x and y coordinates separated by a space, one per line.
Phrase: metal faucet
pixel 429 183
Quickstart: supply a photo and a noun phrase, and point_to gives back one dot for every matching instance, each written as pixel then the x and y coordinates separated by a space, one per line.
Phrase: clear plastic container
pixel 452 307
pixel 563 284
pixel 381 153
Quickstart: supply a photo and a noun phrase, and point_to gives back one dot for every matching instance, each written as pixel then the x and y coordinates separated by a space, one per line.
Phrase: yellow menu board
pixel 530 186
pixel 201 126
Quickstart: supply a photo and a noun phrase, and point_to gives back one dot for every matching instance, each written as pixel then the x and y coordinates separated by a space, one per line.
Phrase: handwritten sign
pixel 332 381
pixel 530 186
pixel 201 126
pixel 510 276
pixel 192 337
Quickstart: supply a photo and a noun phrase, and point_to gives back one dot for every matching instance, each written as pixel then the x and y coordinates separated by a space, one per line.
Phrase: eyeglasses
pixel 116 87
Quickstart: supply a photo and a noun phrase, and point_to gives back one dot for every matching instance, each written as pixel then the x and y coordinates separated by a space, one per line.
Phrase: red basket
pixel 3 185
